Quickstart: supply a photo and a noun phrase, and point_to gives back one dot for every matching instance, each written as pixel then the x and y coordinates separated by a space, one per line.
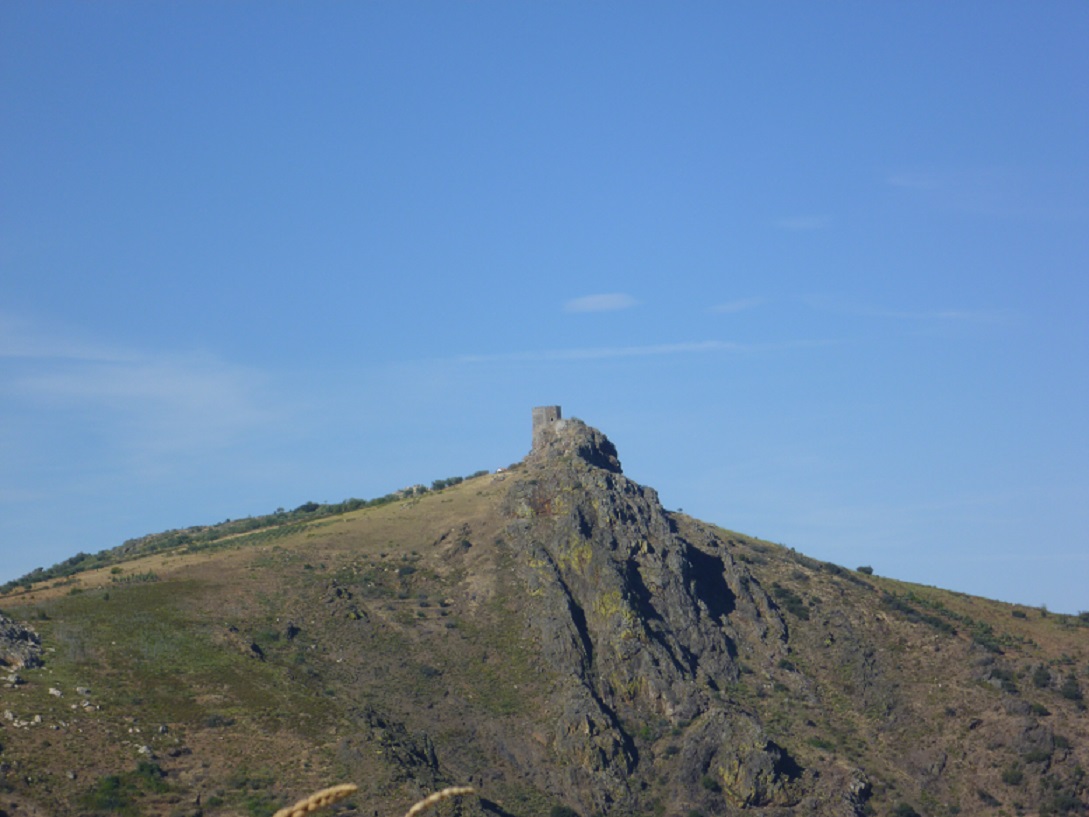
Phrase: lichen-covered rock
pixel 640 622
pixel 729 754
pixel 20 646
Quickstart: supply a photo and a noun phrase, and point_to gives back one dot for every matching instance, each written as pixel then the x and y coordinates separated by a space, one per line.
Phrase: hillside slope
pixel 552 636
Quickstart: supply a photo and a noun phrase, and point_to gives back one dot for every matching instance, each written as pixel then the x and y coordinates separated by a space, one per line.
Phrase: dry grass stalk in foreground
pixel 326 797
pixel 437 797
pixel 318 800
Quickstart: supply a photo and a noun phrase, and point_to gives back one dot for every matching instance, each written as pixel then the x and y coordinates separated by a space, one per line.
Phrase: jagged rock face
pixel 19 646
pixel 642 626
pixel 567 440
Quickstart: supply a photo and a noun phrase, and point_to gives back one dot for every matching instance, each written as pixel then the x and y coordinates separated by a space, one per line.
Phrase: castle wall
pixel 543 418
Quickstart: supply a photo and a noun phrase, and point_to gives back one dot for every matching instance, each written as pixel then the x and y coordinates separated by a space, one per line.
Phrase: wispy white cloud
pixel 740 305
pixel 604 352
pixel 175 384
pixel 605 302
pixel 803 223
pixel 946 315
pixel 24 339
pixel 996 192
pixel 914 181
pixel 147 403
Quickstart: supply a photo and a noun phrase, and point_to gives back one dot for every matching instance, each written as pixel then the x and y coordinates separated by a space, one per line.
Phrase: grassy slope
pixel 407 614
pixel 176 653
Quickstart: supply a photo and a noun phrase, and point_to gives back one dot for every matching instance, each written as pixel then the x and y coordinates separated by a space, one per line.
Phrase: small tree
pixel 866 569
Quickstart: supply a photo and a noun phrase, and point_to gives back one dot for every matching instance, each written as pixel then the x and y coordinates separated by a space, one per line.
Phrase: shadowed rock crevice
pixel 578 618
pixel 710 584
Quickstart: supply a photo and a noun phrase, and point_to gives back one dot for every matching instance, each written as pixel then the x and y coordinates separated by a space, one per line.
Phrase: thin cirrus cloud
pixel 915 181
pixel 979 316
pixel 146 402
pixel 803 223
pixel 602 352
pixel 22 339
pixel 607 352
pixel 997 192
pixel 739 305
pixel 605 302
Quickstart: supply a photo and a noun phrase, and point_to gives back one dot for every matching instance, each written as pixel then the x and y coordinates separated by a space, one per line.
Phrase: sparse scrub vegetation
pixel 136 578
pixel 121 793
pixel 1013 775
pixel 791 601
pixel 901 605
pixel 277 524
pixel 1071 689
pixel 1041 677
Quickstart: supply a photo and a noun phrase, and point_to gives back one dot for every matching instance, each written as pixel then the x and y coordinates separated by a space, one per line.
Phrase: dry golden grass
pixel 326 797
pixel 318 800
pixel 438 797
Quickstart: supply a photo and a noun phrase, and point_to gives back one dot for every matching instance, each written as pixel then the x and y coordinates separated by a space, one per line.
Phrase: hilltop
pixel 551 635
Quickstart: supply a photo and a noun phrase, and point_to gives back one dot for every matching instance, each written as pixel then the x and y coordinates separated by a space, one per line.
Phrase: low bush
pixel 1013 776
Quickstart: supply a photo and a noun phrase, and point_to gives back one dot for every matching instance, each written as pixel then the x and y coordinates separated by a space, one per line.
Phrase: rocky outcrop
pixel 643 625
pixel 573 440
pixel 20 646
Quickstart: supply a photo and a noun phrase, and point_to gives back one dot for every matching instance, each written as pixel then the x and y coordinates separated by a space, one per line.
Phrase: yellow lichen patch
pixel 611 604
pixel 577 553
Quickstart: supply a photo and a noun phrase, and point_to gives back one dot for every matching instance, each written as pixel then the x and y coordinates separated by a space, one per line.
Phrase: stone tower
pixel 543 418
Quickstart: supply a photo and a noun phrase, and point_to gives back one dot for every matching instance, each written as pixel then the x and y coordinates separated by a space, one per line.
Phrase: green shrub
pixel 790 600
pixel 108 794
pixel 1070 689
pixel 865 569
pixel 151 776
pixel 1013 776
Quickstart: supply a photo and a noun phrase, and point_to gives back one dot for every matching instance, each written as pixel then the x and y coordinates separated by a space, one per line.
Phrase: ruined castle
pixel 545 418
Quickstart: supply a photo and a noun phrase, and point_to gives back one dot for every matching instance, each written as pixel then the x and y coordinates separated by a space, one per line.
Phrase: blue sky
pixel 821 271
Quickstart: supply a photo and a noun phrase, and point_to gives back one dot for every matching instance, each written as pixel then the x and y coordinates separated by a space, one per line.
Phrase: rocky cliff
pixel 646 627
